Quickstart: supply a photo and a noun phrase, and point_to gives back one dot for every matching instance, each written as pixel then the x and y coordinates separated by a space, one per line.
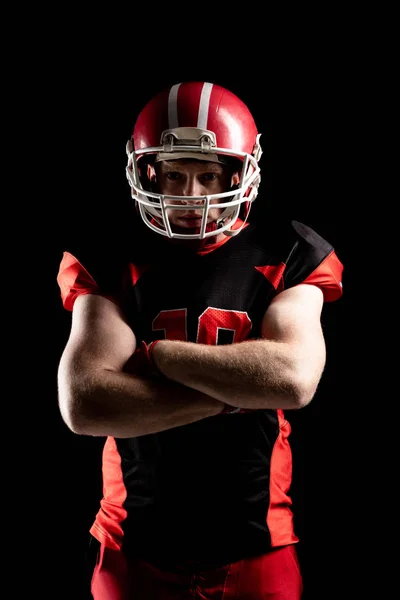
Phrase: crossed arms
pixel 280 370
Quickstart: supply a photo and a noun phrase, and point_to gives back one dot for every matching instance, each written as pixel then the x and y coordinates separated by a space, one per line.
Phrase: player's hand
pixel 141 362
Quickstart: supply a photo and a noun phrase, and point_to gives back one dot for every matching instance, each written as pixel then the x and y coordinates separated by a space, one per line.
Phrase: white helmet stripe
pixel 173 106
pixel 204 106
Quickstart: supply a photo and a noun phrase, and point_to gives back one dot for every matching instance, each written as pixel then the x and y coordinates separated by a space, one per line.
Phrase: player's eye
pixel 173 176
pixel 207 177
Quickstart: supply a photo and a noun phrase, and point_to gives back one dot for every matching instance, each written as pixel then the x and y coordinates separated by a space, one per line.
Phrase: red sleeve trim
pixel 74 280
pixel 328 277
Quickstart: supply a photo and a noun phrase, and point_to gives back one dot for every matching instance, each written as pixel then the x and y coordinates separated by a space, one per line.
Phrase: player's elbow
pixel 74 402
pixel 302 394
pixel 304 384
pixel 289 394
pixel 70 411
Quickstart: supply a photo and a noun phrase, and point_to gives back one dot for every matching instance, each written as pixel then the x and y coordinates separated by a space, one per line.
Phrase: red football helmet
pixel 194 120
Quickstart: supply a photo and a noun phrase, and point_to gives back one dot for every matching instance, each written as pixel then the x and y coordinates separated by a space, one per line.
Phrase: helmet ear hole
pixel 150 181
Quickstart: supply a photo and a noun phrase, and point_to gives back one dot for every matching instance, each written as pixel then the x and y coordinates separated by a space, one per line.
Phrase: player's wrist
pixel 153 349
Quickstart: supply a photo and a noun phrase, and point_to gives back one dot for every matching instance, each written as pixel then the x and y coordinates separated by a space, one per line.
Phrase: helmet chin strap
pixel 227 214
pixel 252 196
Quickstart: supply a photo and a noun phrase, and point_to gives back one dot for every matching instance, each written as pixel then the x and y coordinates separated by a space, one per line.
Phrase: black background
pixel 86 110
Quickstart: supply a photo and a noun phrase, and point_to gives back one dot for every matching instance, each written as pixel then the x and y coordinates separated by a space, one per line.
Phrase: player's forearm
pixel 108 403
pixel 252 374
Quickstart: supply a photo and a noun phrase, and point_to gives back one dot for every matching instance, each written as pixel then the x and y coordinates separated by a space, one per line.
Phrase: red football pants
pixel 273 576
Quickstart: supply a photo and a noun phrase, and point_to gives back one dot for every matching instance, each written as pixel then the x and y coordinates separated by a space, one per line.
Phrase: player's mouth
pixel 191 220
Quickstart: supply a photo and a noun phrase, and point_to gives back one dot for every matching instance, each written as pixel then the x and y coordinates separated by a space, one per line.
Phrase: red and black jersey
pixel 217 490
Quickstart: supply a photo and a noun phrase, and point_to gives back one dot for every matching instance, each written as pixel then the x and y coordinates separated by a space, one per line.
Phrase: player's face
pixel 187 177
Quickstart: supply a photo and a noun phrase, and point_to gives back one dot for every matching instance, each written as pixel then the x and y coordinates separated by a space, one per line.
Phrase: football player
pixel 185 352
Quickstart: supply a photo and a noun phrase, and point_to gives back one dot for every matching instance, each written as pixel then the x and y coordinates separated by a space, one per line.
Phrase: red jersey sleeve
pixel 74 280
pixel 328 277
